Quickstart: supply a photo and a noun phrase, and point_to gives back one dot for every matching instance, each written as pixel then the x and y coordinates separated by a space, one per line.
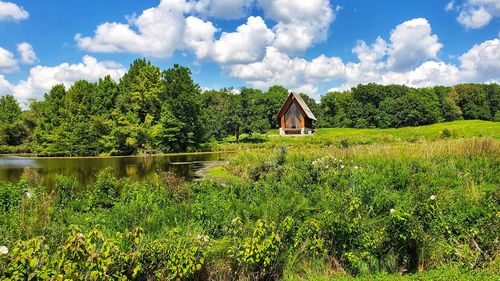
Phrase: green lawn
pixel 353 136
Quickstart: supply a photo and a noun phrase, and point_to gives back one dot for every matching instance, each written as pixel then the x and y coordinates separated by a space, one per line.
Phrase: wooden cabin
pixel 295 117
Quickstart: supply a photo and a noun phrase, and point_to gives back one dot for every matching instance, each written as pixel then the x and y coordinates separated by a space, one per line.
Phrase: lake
pixel 85 169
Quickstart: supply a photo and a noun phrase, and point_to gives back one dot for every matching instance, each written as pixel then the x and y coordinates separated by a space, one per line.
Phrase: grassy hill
pixel 353 136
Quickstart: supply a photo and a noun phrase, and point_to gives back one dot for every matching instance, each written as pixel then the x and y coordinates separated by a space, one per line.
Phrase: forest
pixel 155 111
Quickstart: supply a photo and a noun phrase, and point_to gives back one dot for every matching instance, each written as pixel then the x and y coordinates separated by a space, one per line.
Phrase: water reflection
pixel 84 169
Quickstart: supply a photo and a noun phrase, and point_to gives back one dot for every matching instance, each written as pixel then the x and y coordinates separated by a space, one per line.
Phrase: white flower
pixel 4 250
pixel 326 166
pixel 433 197
pixel 391 211
pixel 356 167
pixel 341 166
pixel 29 194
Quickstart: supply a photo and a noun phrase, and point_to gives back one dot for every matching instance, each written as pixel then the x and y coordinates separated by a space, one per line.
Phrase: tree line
pixel 150 110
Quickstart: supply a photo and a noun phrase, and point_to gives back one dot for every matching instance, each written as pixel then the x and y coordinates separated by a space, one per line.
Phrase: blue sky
pixel 310 46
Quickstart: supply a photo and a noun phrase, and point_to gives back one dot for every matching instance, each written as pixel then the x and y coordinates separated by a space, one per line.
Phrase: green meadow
pixel 416 203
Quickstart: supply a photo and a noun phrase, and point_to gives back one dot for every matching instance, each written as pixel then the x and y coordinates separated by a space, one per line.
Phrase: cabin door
pixel 293 117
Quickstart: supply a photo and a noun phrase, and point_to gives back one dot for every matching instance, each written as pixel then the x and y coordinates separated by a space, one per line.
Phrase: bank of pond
pixel 421 211
pixel 85 169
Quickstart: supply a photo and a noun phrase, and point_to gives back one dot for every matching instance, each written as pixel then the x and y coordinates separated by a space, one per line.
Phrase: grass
pixel 352 136
pixel 342 204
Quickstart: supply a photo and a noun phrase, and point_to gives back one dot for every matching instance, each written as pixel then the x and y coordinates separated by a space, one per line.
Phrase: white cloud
pixel 42 78
pixel 199 36
pixel 157 32
pixel 300 23
pixel 294 73
pixel 478 13
pixel 5 86
pixel 412 43
pixel 28 55
pixel 11 11
pixel 482 61
pixel 450 6
pixel 245 45
pixel 161 30
pixel 8 63
pixel 429 73
pixel 325 68
pixel 225 9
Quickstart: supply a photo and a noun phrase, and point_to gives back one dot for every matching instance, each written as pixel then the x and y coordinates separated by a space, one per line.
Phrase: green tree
pixel 10 111
pixel 418 107
pixel 184 101
pixel 141 91
pixel 473 101
pixel 165 133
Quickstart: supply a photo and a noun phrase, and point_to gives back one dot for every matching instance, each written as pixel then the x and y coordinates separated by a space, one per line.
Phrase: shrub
pixel 65 189
pixel 106 189
pixel 10 196
pixel 174 257
pixel 446 134
pixel 258 253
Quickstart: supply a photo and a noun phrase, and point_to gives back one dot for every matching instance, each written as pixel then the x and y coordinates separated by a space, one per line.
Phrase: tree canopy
pixel 150 110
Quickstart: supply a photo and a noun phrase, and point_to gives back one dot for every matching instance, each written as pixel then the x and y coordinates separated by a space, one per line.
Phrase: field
pixel 350 136
pixel 346 204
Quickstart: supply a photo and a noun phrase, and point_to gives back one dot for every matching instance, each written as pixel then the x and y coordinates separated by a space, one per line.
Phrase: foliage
pixel 155 111
pixel 320 212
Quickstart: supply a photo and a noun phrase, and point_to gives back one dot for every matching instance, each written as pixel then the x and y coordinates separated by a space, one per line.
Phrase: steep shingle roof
pixel 301 103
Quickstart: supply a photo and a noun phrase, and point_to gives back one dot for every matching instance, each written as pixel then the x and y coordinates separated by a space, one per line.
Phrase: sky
pixel 312 46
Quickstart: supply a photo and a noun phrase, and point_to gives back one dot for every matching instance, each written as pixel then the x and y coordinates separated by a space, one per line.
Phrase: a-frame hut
pixel 295 117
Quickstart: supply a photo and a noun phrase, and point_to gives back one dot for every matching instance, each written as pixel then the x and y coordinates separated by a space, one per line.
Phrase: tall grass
pixel 374 212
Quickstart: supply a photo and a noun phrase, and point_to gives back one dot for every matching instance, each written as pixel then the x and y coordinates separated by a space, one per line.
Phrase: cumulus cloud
pixel 157 32
pixel 8 63
pixel 225 9
pixel 300 24
pixel 199 36
pixel 161 30
pixel 475 14
pixel 412 43
pixel 5 86
pixel 28 55
pixel 294 73
pixel 12 12
pixel 325 68
pixel 42 78
pixel 482 61
pixel 245 45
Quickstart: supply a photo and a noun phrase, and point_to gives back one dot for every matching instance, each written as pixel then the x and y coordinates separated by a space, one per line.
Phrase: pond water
pixel 85 169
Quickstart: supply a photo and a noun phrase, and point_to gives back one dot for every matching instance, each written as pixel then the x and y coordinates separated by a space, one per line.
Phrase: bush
pixel 446 134
pixel 174 257
pixel 106 191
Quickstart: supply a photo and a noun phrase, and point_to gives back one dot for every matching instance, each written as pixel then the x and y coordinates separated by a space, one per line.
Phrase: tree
pixel 141 90
pixel 418 107
pixel 165 133
pixel 10 111
pixel 183 98
pixel 473 101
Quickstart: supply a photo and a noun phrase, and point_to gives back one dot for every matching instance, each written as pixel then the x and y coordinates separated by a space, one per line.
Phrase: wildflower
pixel 391 210
pixel 356 167
pixel 341 166
pixel 29 194
pixel 4 250
pixel 433 197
